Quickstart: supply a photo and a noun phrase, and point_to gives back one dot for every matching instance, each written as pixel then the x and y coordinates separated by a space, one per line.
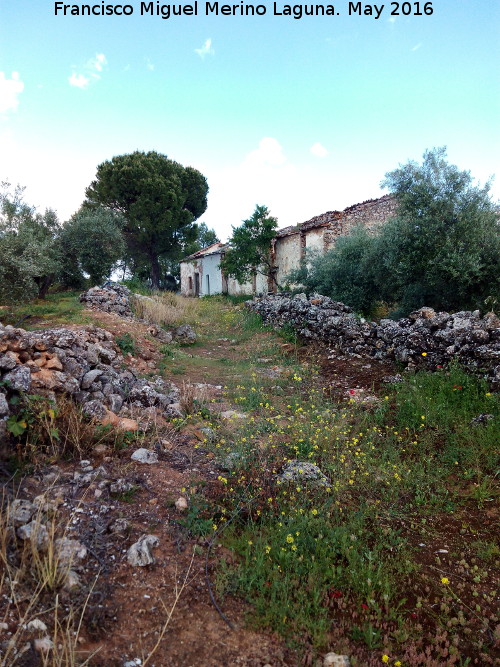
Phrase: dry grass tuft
pixel 193 398
pixel 32 574
pixel 60 430
pixel 165 309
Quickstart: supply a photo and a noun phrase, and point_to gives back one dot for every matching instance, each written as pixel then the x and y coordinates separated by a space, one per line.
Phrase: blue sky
pixel 303 116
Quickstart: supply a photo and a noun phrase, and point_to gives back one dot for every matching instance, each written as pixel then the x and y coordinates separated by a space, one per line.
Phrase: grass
pixel 54 310
pixel 31 580
pixel 165 309
pixel 47 431
pixel 340 565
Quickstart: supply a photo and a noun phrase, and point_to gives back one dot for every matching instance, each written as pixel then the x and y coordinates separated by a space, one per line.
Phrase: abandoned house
pixel 201 274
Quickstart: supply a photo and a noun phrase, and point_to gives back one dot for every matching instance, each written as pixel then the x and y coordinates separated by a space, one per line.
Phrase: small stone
pixel 90 377
pixel 19 379
pixel 174 411
pixel 336 660
pixel 35 532
pixel 4 406
pixel 35 625
pixel 54 364
pixel 303 472
pixel 181 504
pixel 185 335
pixel 125 424
pixel 43 645
pixel 121 486
pixel 232 414
pixel 145 456
pixel 72 581
pixel 21 511
pixel 120 526
pixel 140 554
pixel 69 551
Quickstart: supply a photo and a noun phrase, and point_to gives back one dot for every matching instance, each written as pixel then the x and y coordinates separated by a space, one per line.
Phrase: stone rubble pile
pixel 82 363
pixel 110 298
pixel 423 339
pixel 115 298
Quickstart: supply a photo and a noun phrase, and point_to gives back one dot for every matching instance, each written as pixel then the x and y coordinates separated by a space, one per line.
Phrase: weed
pixel 126 344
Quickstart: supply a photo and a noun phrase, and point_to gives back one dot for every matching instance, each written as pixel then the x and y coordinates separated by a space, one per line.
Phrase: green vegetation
pixel 159 199
pixel 55 309
pixel 341 564
pixel 126 344
pixel 250 247
pixel 92 243
pixel 442 249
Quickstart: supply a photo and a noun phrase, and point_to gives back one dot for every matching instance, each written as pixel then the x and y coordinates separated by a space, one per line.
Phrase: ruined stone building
pixel 201 274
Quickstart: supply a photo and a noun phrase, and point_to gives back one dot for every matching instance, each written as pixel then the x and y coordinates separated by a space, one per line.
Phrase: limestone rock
pixel 140 554
pixel 35 532
pixel 302 472
pixel 19 378
pixel 336 660
pixel 36 625
pixel 145 456
pixel 69 551
pixel 233 414
pixel 184 335
pixel 4 406
pixel 21 512
pixel 181 504
pixel 44 645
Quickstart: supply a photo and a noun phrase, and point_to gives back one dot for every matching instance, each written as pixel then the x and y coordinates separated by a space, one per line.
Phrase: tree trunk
pixel 44 282
pixel 155 270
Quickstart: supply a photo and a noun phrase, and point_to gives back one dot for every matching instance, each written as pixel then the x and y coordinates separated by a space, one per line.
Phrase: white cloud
pixel 391 20
pixel 417 46
pixel 318 150
pixel 206 49
pixel 269 153
pixel 149 65
pixel 78 81
pixel 92 72
pixel 10 89
pixel 293 192
pixel 98 62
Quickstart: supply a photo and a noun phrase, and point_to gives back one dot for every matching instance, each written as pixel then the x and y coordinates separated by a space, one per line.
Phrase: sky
pixel 303 115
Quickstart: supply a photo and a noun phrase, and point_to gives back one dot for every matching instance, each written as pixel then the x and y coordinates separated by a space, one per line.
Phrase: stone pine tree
pixel 250 247
pixel 159 199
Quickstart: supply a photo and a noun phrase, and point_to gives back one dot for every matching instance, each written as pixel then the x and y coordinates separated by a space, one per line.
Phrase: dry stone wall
pixel 425 339
pixel 84 364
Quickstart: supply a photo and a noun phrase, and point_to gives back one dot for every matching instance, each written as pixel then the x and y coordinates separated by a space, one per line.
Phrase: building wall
pixel 187 278
pixel 287 255
pixel 370 214
pixel 291 245
pixel 211 281
pixel 314 240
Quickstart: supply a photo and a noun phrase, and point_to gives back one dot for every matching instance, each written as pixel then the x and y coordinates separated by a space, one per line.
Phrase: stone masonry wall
pixel 425 339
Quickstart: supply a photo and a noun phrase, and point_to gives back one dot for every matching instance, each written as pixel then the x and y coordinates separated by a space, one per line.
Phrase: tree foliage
pixel 29 259
pixel 159 199
pixel 91 243
pixel 442 249
pixel 347 273
pixel 250 246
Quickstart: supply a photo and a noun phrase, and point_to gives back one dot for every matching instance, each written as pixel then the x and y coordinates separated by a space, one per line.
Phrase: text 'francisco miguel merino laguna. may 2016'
pixel 215 8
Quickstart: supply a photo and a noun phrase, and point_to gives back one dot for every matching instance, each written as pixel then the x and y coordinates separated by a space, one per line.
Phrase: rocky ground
pixel 138 575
